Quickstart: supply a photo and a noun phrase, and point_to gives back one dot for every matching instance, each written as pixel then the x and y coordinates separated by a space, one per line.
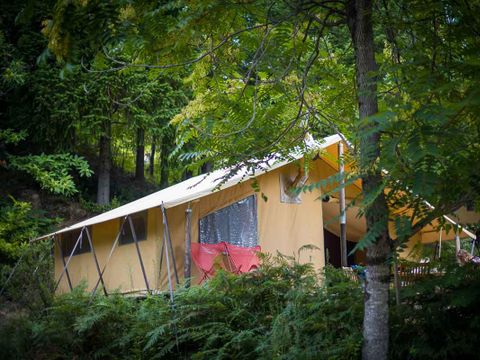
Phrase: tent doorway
pixel 332 250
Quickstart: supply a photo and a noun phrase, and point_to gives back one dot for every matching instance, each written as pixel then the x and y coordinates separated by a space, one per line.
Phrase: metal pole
pixel 65 268
pixel 12 272
pixel 165 224
pixel 440 243
pixel 165 237
pixel 109 257
pixel 188 248
pixel 343 215
pixel 96 261
pixel 396 280
pixel 60 250
pixel 132 228
pixel 457 242
pixel 161 260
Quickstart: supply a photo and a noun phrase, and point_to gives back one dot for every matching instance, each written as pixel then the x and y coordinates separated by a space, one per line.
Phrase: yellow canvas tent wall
pixel 282 226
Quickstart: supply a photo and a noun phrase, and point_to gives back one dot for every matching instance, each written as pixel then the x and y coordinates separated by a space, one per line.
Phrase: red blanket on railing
pixel 241 259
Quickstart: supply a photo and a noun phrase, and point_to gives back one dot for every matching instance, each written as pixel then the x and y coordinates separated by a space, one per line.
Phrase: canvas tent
pixel 140 246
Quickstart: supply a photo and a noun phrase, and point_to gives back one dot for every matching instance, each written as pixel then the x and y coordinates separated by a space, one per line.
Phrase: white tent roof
pixel 189 190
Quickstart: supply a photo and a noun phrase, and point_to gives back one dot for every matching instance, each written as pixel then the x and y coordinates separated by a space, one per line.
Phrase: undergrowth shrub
pixel 282 311
pixel 439 317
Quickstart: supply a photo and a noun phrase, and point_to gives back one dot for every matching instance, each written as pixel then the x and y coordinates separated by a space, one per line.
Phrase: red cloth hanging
pixel 243 259
pixel 203 255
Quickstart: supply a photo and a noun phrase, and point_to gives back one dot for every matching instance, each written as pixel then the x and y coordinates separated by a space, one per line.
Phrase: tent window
pixel 139 221
pixel 68 243
pixel 235 224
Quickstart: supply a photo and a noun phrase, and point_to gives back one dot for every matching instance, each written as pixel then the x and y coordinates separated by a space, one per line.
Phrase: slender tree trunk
pixel 105 164
pixel 375 322
pixel 140 156
pixel 151 169
pixel 164 173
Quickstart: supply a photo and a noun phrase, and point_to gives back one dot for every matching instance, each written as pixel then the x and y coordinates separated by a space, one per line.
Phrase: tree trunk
pixel 165 147
pixel 375 321
pixel 140 156
pixel 105 164
pixel 151 169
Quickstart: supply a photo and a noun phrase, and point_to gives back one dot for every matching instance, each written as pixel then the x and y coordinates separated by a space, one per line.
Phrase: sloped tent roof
pixel 191 189
pixel 203 185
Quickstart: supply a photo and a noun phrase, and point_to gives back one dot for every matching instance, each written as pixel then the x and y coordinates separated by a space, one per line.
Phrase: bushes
pixel 280 312
pixel 283 311
pixel 439 317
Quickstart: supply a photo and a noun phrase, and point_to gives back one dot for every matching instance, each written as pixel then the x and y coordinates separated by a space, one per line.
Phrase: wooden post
pixel 188 249
pixel 132 228
pixel 96 261
pixel 343 215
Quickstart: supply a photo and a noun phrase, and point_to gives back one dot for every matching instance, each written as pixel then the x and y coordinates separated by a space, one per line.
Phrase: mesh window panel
pixel 139 224
pixel 235 224
pixel 68 243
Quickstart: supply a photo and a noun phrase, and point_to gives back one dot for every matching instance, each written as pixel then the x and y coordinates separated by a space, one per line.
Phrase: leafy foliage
pixel 18 225
pixel 282 311
pixel 439 317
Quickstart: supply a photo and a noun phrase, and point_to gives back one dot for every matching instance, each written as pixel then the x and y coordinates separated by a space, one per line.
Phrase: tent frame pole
pixel 65 266
pixel 96 261
pixel 167 258
pixel 343 215
pixel 109 256
pixel 137 247
pixel 188 246
pixel 60 250
pixel 169 243
pixel 440 243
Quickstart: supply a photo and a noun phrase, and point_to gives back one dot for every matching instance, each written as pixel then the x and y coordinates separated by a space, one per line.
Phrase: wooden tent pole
pixel 134 235
pixel 343 215
pixel 109 257
pixel 65 267
pixel 96 261
pixel 188 247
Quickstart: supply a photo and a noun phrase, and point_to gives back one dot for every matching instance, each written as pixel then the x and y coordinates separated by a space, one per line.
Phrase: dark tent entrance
pixel 332 250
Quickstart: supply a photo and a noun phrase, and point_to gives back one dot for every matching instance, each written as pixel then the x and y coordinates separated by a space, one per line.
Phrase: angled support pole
pixel 132 228
pixel 60 250
pixel 169 243
pixel 188 248
pixel 167 258
pixel 109 257
pixel 65 265
pixel 96 261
